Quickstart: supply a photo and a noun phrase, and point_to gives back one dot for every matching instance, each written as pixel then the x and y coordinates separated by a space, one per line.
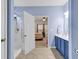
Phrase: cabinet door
pixel 66 56
pixel 59 44
pixel 56 41
pixel 62 46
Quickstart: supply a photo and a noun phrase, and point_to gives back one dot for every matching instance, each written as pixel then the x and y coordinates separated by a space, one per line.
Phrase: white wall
pixel 17 36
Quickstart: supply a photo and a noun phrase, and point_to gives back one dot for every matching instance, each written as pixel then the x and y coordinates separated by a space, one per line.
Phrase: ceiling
pixel 39 20
pixel 39 2
pixel 40 17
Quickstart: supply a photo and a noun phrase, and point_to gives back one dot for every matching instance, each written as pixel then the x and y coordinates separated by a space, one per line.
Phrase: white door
pixel 4 29
pixel 29 32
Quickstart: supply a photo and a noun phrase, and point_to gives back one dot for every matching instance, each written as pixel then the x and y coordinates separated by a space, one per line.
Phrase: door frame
pixel 4 28
pixel 73 17
pixel 47 29
pixel 9 30
pixel 10 13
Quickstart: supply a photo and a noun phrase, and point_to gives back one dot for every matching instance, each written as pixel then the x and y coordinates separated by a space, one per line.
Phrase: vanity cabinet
pixel 66 51
pixel 62 46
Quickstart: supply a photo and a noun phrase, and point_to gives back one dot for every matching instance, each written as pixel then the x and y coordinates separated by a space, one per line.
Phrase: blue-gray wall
pixel 10 12
pixel 74 27
pixel 55 17
pixel 72 7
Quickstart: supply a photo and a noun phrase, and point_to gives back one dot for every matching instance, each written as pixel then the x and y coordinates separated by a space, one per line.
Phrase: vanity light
pixel 44 19
pixel 66 14
pixel 15 15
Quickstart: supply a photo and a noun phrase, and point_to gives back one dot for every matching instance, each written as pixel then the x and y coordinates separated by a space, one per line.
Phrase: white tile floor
pixel 38 53
pixel 39 44
pixel 41 53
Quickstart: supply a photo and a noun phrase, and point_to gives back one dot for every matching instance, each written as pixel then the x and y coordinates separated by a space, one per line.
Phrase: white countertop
pixel 63 37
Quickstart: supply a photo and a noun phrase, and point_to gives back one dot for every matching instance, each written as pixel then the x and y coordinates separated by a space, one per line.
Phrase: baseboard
pixel 51 47
pixel 16 53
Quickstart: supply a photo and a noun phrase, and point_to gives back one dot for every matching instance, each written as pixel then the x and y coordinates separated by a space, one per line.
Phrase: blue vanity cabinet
pixel 56 42
pixel 66 51
pixel 62 46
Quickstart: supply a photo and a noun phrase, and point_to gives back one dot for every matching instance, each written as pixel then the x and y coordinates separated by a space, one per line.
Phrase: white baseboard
pixel 16 53
pixel 51 47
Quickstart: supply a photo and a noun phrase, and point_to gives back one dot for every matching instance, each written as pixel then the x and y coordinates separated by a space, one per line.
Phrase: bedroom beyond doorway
pixel 41 31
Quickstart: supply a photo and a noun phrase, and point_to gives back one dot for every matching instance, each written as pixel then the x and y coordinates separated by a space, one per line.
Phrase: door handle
pixel 3 39
pixel 77 51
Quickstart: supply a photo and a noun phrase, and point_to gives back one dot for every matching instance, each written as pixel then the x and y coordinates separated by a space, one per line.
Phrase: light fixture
pixel 44 19
pixel 66 14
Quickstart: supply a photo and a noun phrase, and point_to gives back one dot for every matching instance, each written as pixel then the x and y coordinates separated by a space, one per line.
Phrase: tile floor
pixel 39 44
pixel 41 53
pixel 57 54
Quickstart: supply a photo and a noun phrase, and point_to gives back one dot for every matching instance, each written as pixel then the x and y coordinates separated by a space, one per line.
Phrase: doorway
pixel 71 30
pixel 41 31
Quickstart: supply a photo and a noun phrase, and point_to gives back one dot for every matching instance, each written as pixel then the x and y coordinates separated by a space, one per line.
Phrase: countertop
pixel 63 37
